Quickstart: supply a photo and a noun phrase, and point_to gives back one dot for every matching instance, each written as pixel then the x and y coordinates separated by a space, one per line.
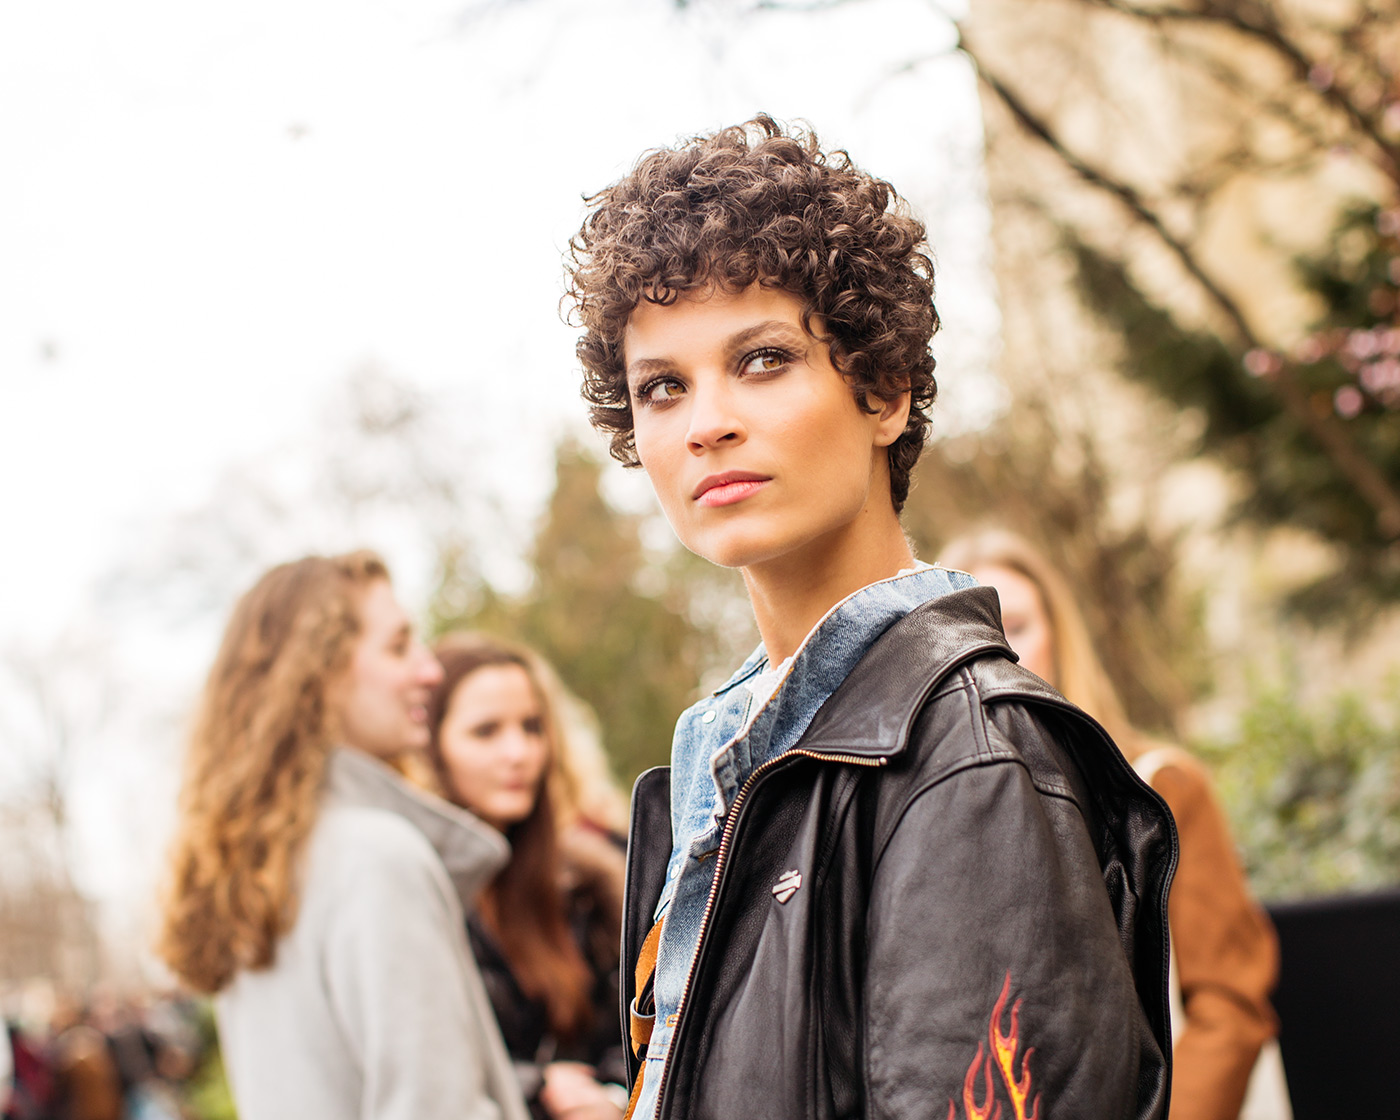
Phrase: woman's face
pixel 493 744
pixel 752 439
pixel 1024 616
pixel 384 698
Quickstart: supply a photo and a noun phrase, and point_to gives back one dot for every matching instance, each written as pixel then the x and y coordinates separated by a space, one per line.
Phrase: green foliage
pixel 1313 794
pixel 616 629
pixel 1292 480
pixel 1355 275
pixel 1189 368
pixel 206 1094
pixel 1353 358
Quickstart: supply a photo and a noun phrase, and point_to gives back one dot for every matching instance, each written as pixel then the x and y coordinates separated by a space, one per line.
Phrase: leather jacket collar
pixel 873 711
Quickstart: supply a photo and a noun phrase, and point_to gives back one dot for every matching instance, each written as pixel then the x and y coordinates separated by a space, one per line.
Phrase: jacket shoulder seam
pixel 985 752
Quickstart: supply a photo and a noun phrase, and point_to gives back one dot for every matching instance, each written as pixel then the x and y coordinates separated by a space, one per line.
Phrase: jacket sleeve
pixel 1226 953
pixel 994 971
pixel 406 992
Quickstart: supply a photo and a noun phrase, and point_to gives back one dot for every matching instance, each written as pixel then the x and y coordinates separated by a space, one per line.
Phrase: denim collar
pixel 832 648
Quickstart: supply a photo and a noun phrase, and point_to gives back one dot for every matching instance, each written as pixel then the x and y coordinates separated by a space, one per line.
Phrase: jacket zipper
pixel 730 825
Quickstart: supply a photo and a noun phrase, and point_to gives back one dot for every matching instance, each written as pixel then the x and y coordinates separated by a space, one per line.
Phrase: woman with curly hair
pixel 888 872
pixel 313 892
pixel 1224 949
pixel 545 930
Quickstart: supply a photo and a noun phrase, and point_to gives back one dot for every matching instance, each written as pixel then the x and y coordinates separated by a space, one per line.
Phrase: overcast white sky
pixel 209 214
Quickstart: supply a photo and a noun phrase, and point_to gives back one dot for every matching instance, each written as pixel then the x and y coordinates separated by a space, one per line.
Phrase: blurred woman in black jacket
pixel 545 932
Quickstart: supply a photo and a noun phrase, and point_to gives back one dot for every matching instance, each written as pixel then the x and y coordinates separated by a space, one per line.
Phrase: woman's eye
pixel 662 389
pixel 765 361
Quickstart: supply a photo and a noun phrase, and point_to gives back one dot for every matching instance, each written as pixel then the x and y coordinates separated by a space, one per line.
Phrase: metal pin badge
pixel 787 885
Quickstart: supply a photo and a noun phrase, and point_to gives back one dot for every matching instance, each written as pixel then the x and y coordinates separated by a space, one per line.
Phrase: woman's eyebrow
pixel 771 330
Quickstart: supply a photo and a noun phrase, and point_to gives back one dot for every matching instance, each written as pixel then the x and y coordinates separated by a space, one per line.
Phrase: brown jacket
pixel 89 1087
pixel 1225 946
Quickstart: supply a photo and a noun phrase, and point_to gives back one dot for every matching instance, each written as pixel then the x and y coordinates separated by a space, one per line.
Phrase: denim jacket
pixel 720 741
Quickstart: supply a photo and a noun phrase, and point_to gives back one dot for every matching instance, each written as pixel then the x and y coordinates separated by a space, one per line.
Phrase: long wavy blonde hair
pixel 256 761
pixel 1079 674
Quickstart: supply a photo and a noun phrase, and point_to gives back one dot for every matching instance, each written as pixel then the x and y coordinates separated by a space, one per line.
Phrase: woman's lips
pixel 726 489
pixel 727 493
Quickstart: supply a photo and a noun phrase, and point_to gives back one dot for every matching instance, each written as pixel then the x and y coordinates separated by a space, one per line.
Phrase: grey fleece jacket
pixel 373 1008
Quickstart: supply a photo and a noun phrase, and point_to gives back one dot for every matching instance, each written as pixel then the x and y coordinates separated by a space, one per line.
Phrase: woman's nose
pixel 429 668
pixel 519 743
pixel 714 416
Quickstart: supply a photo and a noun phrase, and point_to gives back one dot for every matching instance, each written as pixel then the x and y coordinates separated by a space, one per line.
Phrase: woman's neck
pixel 792 593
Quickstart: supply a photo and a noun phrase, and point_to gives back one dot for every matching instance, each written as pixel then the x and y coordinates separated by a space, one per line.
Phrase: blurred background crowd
pixel 1169 273
pixel 115 1056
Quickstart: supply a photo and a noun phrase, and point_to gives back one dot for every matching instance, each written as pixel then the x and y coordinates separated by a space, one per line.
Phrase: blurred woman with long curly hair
pixel 315 893
pixel 545 931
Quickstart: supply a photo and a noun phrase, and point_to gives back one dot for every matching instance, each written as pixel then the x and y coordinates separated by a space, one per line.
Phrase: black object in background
pixel 1338 1002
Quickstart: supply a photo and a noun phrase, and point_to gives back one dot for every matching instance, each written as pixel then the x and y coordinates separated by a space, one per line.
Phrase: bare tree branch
pixel 1322 426
pixel 1259 22
pixel 1264 101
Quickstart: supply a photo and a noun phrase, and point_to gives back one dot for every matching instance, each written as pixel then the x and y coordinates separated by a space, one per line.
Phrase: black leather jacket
pixel 591 899
pixel 979 913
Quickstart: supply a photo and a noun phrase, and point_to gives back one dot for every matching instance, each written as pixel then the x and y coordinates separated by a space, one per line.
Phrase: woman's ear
pixel 891 419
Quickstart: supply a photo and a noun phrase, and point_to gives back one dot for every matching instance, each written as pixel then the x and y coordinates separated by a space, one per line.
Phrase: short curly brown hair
pixel 761 203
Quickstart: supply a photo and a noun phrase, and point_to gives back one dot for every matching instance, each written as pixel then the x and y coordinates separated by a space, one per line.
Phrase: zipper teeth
pixel 730 824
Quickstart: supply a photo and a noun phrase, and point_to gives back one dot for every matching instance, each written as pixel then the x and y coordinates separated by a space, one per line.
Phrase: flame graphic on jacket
pixel 1000 1055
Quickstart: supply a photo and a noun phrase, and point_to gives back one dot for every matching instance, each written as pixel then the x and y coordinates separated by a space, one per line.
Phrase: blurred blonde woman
pixel 508 744
pixel 315 893
pixel 1225 952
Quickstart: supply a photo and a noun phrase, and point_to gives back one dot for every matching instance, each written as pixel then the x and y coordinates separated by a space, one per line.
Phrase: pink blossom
pixel 1363 344
pixel 1348 401
pixel 1262 363
pixel 1380 377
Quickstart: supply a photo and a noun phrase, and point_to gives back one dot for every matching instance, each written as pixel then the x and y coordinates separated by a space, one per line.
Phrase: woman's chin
pixel 734 549
pixel 503 818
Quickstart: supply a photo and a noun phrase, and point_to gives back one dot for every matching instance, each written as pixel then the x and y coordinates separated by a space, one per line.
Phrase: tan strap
pixel 646 967
pixel 642 1024
pixel 632 1100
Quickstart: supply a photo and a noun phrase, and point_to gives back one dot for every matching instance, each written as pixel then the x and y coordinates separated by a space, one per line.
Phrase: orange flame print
pixel 1002 1056
pixel 991 1107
